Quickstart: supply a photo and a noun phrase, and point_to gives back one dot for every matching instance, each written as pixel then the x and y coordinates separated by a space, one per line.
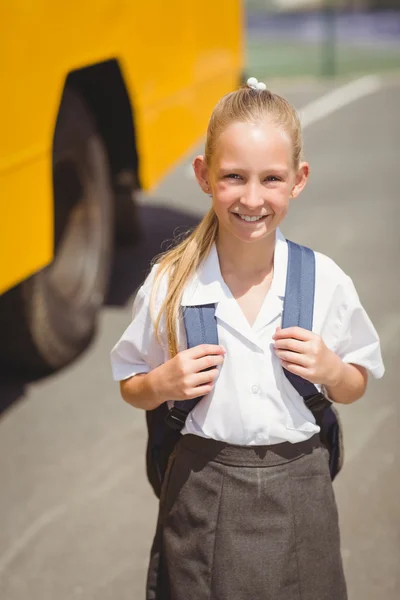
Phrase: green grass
pixel 287 59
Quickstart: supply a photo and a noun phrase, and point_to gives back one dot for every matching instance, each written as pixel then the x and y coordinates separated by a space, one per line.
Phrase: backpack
pixel 164 425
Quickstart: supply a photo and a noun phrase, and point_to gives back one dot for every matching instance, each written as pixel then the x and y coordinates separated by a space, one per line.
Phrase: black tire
pixel 49 319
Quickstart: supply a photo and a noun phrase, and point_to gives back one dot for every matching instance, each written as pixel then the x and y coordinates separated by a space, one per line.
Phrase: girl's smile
pixel 250 219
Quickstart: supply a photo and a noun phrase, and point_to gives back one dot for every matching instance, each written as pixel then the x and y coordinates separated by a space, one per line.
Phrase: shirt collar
pixel 207 285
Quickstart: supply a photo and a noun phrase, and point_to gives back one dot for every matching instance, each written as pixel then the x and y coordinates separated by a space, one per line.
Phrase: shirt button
pixel 255 389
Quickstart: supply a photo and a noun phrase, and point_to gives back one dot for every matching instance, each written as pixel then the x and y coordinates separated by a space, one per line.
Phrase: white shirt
pixel 252 402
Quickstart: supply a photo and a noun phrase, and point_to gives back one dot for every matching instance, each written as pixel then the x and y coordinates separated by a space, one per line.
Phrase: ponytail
pixel 180 264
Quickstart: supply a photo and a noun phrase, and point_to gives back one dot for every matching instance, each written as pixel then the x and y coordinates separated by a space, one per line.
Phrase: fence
pixel 322 37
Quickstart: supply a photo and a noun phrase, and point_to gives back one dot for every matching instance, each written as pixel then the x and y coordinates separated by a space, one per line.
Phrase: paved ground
pixel 78 515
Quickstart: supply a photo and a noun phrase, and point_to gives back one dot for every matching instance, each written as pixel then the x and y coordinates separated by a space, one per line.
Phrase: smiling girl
pixel 247 510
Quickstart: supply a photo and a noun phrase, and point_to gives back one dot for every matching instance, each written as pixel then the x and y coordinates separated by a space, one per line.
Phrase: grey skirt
pixel 247 523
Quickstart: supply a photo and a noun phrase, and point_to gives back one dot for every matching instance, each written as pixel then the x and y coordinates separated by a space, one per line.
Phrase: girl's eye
pixel 236 176
pixel 232 176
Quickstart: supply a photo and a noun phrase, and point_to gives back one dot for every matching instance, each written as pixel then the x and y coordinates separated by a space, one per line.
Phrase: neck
pixel 245 259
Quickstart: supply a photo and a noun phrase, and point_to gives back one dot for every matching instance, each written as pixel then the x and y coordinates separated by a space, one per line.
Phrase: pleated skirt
pixel 247 523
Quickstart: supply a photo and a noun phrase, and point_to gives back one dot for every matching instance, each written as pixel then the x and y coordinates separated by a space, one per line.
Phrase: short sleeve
pixel 138 350
pixel 358 340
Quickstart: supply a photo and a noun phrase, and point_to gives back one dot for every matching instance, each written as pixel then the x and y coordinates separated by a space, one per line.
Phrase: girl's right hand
pixel 185 376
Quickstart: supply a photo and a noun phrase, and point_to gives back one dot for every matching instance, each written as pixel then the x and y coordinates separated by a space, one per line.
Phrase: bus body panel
pixel 176 58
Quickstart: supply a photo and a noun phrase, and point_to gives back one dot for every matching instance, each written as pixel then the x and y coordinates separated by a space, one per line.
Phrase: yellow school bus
pixel 97 99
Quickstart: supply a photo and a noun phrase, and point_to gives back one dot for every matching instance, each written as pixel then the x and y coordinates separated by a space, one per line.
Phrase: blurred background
pixel 104 106
pixel 322 37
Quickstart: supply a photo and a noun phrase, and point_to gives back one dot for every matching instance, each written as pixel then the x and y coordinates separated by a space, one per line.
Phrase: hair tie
pixel 253 83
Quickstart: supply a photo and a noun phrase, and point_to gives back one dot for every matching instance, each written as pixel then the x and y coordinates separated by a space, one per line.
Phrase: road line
pixel 338 98
pixel 30 533
pixel 57 512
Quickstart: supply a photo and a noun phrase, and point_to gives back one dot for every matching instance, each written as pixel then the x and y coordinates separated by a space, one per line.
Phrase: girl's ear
pixel 201 172
pixel 301 179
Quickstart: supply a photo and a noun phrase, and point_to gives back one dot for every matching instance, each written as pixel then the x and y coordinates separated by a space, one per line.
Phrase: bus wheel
pixel 52 315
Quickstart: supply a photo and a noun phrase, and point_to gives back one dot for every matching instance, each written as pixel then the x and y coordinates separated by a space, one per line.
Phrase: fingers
pixel 298 370
pixel 201 384
pixel 290 344
pixel 205 350
pixel 194 371
pixel 206 377
pixel 297 333
pixel 204 382
pixel 201 390
pixel 294 358
pixel 208 362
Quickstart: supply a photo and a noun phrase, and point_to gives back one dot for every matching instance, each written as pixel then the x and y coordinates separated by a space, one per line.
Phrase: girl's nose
pixel 252 198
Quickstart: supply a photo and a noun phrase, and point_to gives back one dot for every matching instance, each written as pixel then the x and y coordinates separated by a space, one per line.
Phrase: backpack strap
pixel 298 310
pixel 201 328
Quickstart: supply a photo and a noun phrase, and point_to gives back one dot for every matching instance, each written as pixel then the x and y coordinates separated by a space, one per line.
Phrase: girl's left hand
pixel 304 353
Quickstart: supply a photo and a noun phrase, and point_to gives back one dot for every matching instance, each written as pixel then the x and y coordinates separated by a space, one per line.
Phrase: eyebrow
pixel 271 171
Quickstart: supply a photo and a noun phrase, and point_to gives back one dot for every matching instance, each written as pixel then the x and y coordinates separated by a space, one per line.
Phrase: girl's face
pixel 251 179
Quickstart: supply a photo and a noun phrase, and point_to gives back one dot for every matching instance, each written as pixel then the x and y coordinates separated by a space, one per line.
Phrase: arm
pixel 350 384
pixel 138 392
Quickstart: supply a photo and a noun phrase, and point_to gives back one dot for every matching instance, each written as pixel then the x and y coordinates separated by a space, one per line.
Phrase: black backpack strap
pixel 201 328
pixel 298 310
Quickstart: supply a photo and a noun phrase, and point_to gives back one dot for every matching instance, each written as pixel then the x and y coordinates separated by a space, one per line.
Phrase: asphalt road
pixel 77 513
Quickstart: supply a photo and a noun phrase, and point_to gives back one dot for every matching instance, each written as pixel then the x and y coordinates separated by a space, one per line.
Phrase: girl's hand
pixel 184 376
pixel 304 353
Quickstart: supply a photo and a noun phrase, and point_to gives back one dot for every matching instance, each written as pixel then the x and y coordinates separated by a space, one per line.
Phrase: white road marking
pixel 30 532
pixel 55 513
pixel 338 98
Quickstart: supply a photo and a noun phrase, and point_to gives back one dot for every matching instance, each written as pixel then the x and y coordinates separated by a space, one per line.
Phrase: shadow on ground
pixel 160 226
pixel 11 390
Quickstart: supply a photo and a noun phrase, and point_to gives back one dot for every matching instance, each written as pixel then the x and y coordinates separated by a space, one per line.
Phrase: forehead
pixel 253 143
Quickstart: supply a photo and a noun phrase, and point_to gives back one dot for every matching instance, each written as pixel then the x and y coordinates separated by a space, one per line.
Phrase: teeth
pixel 249 219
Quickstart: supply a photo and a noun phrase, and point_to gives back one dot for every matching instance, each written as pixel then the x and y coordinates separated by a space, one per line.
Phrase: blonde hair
pixel 181 263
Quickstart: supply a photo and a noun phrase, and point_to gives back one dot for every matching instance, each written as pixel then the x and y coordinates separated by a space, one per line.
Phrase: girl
pixel 247 510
